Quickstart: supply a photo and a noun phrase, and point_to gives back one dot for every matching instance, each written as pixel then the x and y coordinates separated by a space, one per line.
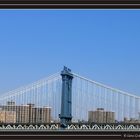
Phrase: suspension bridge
pixel 68 98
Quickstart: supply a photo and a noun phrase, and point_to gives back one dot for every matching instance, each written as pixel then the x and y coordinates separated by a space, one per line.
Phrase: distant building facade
pixel 11 113
pixel 131 120
pixel 101 116
pixel 41 115
pixel 7 116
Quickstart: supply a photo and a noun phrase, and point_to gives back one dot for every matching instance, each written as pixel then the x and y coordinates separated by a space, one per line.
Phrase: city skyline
pixel 102 45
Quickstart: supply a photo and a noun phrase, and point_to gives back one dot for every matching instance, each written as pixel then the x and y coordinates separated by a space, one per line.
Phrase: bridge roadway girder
pixel 72 126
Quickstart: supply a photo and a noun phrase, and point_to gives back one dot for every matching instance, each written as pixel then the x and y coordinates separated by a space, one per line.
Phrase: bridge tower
pixel 66 98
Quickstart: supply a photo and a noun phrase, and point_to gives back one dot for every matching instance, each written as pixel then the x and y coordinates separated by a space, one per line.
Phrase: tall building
pixel 10 117
pixel 41 115
pixel 101 116
pixel 2 116
pixel 110 117
pixel 7 116
pixel 31 112
pixel 24 113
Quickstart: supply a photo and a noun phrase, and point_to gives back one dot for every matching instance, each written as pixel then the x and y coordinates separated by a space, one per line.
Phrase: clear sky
pixel 103 45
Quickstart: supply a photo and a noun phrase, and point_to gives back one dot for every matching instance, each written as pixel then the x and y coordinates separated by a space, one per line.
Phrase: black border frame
pixel 69 4
pixel 73 135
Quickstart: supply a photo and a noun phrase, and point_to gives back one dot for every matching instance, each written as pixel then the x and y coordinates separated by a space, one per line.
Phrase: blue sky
pixel 103 45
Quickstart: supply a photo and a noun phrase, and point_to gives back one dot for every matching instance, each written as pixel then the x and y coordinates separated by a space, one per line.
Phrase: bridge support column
pixel 66 98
